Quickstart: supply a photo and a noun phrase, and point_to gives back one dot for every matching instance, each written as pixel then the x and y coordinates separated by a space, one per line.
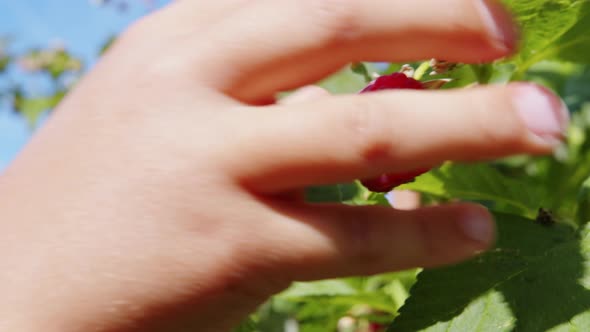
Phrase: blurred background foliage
pixel 555 53
pixel 51 63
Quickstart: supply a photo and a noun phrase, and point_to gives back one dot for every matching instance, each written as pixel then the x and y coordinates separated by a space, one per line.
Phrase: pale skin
pixel 159 197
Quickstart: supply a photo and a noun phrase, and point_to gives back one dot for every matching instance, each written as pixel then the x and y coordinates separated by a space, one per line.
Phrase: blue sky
pixel 79 24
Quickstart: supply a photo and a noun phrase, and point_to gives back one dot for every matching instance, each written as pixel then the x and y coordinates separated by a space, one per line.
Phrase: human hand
pixel 159 197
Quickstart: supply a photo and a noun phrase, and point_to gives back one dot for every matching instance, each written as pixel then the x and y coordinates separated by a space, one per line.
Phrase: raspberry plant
pixel 537 278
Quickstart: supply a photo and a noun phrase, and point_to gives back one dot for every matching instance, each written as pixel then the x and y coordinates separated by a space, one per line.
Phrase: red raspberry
pixel 387 182
pixel 374 327
pixel 393 81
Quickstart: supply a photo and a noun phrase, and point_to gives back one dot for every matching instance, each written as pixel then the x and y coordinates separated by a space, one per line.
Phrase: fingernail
pixel 545 115
pixel 476 224
pixel 500 23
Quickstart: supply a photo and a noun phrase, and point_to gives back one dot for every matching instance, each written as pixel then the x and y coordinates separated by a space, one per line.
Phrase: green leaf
pixel 483 73
pixel 248 325
pixel 320 304
pixel 62 62
pixel 107 45
pixel 331 193
pixel 537 278
pixel 348 193
pixel 481 183
pixel 330 287
pixel 575 44
pixel 360 69
pixel 55 62
pixel 543 22
pixel 4 61
pixel 323 194
pixel 32 108
pixel 583 211
pixel 273 315
pixel 567 79
pixel 377 300
pixel 345 81
pixel 551 29
pixel 322 312
pixel 576 87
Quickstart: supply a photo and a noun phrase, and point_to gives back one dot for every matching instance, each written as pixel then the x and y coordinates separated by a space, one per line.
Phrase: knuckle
pixel 337 19
pixel 370 129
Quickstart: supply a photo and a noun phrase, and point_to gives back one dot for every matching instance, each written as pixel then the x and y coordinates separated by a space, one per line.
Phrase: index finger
pixel 273 45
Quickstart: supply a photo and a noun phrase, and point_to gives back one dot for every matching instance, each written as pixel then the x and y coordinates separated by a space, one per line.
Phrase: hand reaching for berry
pixel 154 198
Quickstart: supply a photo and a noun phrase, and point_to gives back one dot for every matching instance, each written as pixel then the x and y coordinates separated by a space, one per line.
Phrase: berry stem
pixel 361 69
pixel 421 70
